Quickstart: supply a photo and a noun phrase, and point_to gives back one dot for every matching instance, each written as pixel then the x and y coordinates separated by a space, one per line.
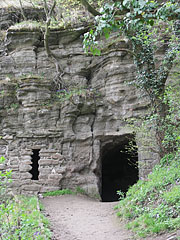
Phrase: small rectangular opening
pixel 35 165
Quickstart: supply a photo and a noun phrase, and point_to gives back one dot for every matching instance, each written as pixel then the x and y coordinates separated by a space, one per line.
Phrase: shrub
pixel 20 217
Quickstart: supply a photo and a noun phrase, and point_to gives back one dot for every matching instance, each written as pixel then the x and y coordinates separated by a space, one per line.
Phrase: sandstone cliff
pixel 71 130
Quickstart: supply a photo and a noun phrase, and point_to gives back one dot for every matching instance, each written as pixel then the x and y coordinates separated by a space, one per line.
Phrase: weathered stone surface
pixel 2 167
pixel 70 132
pixel 55 176
pixel 10 13
pixel 25 176
pixel 25 168
pixel 49 188
pixel 53 182
pixel 15 175
pixel 32 187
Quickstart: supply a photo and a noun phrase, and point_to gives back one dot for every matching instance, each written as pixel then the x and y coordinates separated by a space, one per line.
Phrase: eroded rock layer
pixel 69 129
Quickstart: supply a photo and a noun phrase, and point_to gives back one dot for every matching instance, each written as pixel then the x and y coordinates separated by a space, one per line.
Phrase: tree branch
pixel 90 9
pixel 46 8
pixel 52 8
pixel 22 10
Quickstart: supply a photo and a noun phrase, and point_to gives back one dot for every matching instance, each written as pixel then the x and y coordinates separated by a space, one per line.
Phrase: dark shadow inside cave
pixel 35 165
pixel 119 170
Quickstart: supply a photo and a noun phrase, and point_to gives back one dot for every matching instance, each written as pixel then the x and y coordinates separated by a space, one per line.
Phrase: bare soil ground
pixel 81 218
pixel 74 217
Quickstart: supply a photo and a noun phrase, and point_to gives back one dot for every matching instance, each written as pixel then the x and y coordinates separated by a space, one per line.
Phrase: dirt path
pixel 81 218
pixel 75 217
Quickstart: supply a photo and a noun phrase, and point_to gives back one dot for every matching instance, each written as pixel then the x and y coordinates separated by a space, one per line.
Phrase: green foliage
pixel 90 43
pixel 152 206
pixel 58 192
pixel 150 26
pixel 2 160
pixel 14 106
pixel 169 124
pixel 5 179
pixel 67 12
pixel 20 219
pixel 139 21
pixel 1 93
pixel 173 196
pixel 121 194
pixel 134 15
pixel 78 190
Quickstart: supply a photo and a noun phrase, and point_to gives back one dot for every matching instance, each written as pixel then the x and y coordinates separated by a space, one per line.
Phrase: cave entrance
pixel 35 165
pixel 119 169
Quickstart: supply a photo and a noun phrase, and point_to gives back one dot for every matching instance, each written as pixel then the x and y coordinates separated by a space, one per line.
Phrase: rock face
pixel 68 134
pixel 10 15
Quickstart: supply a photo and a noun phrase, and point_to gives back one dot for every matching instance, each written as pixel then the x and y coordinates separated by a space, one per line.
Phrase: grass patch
pixel 58 193
pixel 78 190
pixel 153 206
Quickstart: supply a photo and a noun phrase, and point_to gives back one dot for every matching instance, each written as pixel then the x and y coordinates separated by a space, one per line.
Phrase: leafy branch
pixel 89 8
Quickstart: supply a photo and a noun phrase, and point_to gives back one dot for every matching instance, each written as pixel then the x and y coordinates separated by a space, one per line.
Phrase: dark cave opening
pixel 35 165
pixel 119 170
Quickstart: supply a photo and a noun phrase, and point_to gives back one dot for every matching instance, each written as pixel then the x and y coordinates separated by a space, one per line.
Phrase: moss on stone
pixel 27 25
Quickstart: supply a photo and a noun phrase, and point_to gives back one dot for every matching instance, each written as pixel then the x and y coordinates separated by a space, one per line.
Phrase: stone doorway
pixel 119 168
pixel 35 165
